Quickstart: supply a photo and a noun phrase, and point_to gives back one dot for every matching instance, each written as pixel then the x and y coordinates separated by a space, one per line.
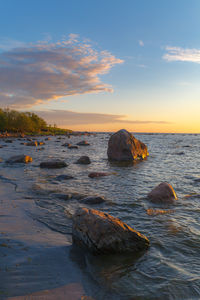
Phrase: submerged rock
pixel 93 200
pixel 19 159
pixel 84 160
pixel 83 143
pixel 163 193
pixel 64 177
pixel 123 146
pixel 72 146
pixel 98 174
pixel 103 234
pixel 53 164
pixel 32 144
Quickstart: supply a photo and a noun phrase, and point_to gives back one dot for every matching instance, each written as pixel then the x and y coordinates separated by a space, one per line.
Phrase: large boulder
pixel 123 146
pixel 53 164
pixel 163 193
pixel 19 159
pixel 103 234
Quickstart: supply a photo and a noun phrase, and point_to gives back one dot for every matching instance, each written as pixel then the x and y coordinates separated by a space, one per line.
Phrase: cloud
pixel 141 43
pixel 181 54
pixel 35 73
pixel 68 118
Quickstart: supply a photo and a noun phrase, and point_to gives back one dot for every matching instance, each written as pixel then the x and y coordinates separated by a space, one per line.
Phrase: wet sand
pixel 34 260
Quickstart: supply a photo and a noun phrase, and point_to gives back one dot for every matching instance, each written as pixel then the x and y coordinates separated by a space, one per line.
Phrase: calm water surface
pixel 170 269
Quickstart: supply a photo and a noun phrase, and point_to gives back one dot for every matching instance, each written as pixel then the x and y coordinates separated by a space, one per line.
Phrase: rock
pixel 163 193
pixel 83 143
pixel 65 145
pixel 98 174
pixel 103 234
pixel 32 144
pixel 8 141
pixel 93 200
pixel 64 177
pixel 19 159
pixel 53 164
pixel 123 146
pixel 84 160
pixel 179 153
pixel 47 139
pixel 72 147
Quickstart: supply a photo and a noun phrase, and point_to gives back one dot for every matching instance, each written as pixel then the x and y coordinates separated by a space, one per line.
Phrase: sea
pixel 37 207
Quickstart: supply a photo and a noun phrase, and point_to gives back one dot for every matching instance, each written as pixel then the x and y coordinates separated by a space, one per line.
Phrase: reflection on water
pixel 170 269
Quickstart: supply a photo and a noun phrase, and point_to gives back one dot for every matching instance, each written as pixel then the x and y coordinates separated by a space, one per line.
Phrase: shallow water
pixel 170 269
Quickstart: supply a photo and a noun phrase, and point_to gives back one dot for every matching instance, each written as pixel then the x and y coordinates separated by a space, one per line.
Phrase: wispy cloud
pixel 35 73
pixel 141 43
pixel 181 54
pixel 69 118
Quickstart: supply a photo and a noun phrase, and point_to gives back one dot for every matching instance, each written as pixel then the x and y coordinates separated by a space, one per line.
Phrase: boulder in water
pixel 163 193
pixel 123 146
pixel 53 164
pixel 103 234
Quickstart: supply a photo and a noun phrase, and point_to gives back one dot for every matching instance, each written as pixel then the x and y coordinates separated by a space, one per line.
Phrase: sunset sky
pixel 103 65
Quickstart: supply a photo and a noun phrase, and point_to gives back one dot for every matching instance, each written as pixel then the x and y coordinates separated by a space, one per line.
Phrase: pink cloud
pixel 45 71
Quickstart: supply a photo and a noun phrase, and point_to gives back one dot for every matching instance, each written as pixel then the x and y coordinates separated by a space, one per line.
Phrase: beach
pixel 37 208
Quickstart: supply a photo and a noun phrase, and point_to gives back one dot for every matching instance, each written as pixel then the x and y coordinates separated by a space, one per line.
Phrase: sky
pixel 103 65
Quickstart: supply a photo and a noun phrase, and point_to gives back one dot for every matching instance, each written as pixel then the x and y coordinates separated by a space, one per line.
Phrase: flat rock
pixel 101 233
pixel 72 147
pixel 98 174
pixel 93 200
pixel 83 143
pixel 34 144
pixel 123 146
pixel 19 159
pixel 53 164
pixel 163 193
pixel 83 160
pixel 64 177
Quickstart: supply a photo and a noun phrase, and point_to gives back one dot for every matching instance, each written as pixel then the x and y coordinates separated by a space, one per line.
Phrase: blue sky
pixel 154 73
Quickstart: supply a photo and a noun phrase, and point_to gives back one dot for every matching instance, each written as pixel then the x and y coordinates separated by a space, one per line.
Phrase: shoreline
pixel 27 248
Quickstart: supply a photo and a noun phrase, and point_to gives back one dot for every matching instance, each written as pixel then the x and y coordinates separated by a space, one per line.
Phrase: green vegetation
pixel 26 122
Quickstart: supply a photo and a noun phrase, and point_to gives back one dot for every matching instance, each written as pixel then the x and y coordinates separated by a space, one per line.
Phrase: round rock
pixel 163 193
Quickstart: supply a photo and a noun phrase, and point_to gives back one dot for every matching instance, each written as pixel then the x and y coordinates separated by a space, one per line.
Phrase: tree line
pixel 15 121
